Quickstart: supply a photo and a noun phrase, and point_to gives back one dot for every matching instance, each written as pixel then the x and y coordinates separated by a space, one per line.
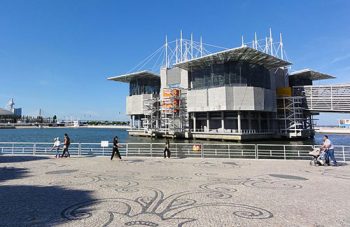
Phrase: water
pixel 96 135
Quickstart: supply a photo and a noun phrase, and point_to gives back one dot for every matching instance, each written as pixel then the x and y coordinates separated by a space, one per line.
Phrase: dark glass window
pixel 144 86
pixel 230 74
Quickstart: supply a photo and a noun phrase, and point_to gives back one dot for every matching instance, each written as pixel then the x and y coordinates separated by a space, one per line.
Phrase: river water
pixel 96 135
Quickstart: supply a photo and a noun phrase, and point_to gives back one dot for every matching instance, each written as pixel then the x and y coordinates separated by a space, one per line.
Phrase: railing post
pixel 344 159
pixel 176 149
pixel 79 149
pixel 284 152
pixel 151 149
pixel 228 149
pixel 202 151
pixel 34 148
pixel 256 151
pixel 13 147
pixel 126 149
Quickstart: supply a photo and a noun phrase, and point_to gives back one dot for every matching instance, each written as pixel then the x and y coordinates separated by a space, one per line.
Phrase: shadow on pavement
pixel 11 173
pixel 28 205
pixel 11 159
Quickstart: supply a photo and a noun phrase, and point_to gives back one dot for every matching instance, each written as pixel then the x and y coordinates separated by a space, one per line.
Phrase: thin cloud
pixel 341 58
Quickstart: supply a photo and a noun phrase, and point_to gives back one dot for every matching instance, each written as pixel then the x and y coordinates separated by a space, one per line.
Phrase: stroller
pixel 318 157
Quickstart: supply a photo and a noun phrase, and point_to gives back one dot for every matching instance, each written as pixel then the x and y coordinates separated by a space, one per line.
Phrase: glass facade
pixel 230 74
pixel 141 86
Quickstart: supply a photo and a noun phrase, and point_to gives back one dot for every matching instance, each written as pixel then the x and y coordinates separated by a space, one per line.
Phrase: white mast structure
pixel 166 52
pixel 10 105
pixel 281 46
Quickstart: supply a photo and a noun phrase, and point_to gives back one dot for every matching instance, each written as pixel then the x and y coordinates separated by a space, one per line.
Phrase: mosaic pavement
pixel 39 191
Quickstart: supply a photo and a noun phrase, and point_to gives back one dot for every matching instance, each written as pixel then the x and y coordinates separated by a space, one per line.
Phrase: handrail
pixel 213 150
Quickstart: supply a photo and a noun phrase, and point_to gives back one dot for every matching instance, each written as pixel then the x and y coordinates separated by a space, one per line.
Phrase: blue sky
pixel 57 54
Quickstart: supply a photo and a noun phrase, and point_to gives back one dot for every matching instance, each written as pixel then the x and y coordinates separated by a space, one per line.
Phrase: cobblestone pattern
pixel 171 192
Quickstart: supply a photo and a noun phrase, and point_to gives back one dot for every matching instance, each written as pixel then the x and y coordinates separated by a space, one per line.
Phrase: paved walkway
pixel 39 191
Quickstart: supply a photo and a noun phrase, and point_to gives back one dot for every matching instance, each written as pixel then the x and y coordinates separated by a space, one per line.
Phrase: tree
pixel 54 119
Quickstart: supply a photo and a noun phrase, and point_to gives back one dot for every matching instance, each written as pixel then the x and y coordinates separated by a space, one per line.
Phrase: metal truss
pixel 325 98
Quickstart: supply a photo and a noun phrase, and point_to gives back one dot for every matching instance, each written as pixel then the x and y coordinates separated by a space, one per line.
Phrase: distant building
pixel 17 112
pixel 7 116
pixel 344 123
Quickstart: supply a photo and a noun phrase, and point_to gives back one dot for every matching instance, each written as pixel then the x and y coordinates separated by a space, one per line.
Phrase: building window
pixel 144 86
pixel 230 74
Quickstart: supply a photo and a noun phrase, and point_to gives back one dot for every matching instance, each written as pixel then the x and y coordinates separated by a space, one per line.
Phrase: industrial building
pixel 243 93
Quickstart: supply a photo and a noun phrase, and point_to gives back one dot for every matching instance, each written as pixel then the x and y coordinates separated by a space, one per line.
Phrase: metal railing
pixel 179 150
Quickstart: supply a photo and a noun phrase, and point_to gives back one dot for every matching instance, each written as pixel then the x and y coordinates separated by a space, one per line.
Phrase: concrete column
pixel 194 122
pixel 139 123
pixel 208 121
pixel 133 121
pixel 222 120
pixel 239 121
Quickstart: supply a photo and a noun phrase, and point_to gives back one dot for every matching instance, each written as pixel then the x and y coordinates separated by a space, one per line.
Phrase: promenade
pixel 95 191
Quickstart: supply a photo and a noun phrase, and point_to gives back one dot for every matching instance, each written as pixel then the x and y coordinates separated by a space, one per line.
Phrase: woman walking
pixel 167 152
pixel 116 148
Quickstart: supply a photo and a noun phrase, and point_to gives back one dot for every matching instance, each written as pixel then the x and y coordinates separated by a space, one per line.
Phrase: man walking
pixel 329 149
pixel 116 148
pixel 66 146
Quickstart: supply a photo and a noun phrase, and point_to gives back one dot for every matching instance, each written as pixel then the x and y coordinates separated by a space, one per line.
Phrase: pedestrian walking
pixel 66 144
pixel 56 146
pixel 329 149
pixel 167 152
pixel 116 148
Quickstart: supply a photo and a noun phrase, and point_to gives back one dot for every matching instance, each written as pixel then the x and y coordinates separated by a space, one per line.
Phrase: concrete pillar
pixel 133 121
pixel 194 122
pixel 208 121
pixel 139 123
pixel 222 120
pixel 239 121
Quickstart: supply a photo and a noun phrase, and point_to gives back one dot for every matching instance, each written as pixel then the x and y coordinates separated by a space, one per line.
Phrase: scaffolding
pixel 151 112
pixel 294 119
pixel 174 116
pixel 167 115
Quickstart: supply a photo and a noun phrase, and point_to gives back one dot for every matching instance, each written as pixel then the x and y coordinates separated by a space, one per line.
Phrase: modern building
pixel 242 93
pixel 344 123
pixel 7 116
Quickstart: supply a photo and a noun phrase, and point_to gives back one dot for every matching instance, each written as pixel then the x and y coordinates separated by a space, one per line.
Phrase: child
pixel 56 145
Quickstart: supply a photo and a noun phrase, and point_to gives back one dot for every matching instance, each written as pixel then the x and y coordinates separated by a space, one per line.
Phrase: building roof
pixel 4 112
pixel 310 74
pixel 236 54
pixel 126 78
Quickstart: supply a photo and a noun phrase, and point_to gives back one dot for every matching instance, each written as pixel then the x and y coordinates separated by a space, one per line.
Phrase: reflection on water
pixel 93 135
